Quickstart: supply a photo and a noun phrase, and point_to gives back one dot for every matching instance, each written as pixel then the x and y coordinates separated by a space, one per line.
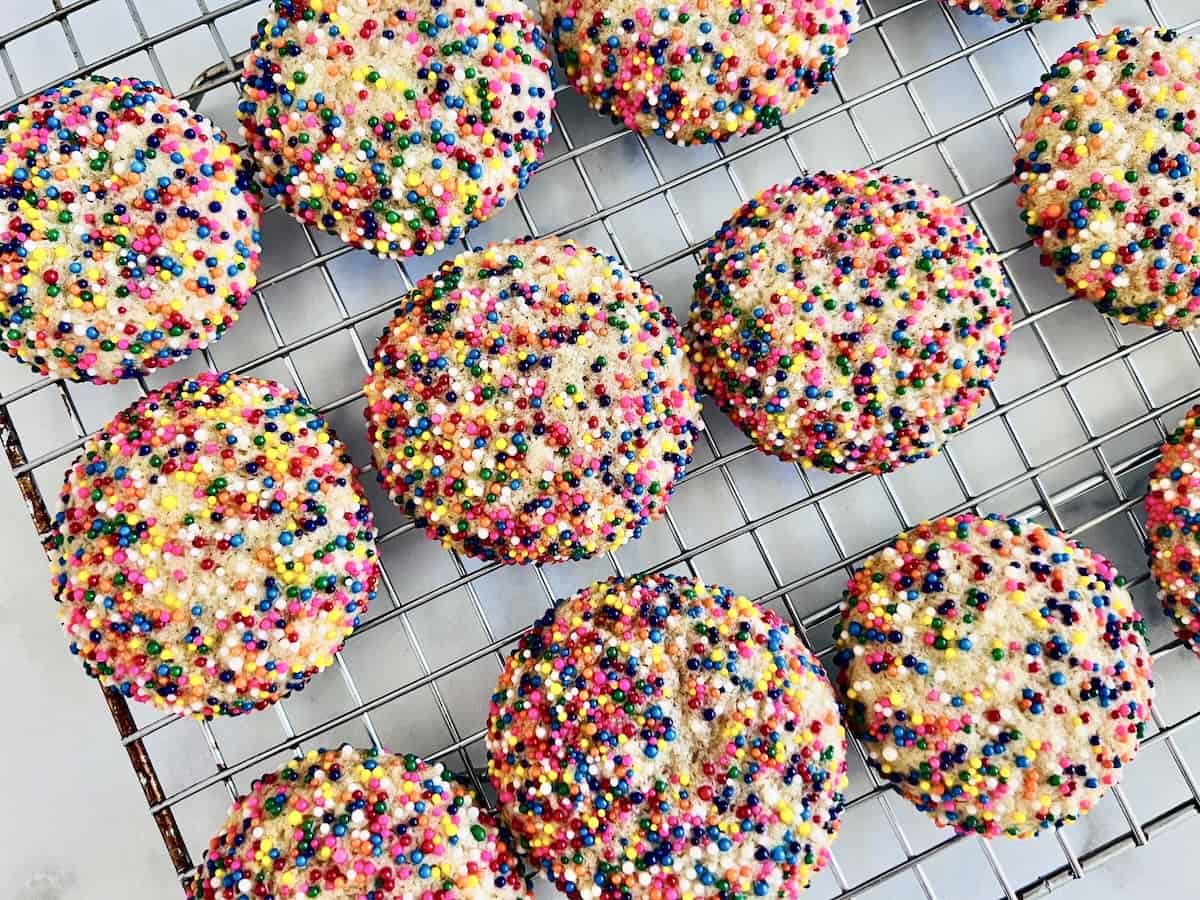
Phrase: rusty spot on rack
pixel 139 758
pixel 25 483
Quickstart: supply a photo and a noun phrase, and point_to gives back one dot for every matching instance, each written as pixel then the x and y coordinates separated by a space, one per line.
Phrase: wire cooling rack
pixel 1068 435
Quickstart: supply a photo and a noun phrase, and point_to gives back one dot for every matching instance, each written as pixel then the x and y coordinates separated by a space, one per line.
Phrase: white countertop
pixel 76 824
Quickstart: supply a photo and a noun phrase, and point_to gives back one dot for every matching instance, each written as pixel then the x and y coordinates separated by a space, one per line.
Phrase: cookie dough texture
pixel 850 320
pixel 996 672
pixel 397 126
pixel 1030 11
pixel 698 71
pixel 1173 526
pixel 1104 169
pixel 531 402
pixel 661 736
pixel 213 549
pixel 128 231
pixel 354 824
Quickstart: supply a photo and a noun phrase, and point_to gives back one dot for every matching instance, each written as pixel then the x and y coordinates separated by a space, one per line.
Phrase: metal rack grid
pixel 1074 421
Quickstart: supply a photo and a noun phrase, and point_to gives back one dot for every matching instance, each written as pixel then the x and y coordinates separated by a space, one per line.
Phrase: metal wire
pixel 1049 502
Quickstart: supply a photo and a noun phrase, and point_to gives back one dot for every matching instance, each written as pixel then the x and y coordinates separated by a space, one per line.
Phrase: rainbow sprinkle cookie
pixel 699 71
pixel 1173 525
pixel 531 402
pixel 397 126
pixel 358 825
pixel 128 235
pixel 851 321
pixel 213 548
pixel 1030 11
pixel 996 671
pixel 1104 168
pixel 661 738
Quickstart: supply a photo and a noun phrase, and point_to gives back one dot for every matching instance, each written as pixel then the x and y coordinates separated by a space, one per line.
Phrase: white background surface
pixel 74 826
pixel 73 821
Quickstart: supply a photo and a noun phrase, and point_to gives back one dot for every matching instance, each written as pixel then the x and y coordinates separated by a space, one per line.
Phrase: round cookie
pixel 531 402
pixel 1173 528
pixel 213 548
pixel 694 73
pixel 128 231
pixel 996 672
pixel 1030 11
pixel 659 737
pixel 1104 170
pixel 849 320
pixel 399 126
pixel 353 824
